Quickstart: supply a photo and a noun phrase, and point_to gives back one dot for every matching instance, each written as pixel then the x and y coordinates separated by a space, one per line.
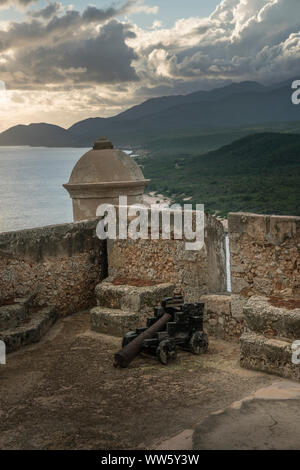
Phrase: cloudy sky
pixel 62 62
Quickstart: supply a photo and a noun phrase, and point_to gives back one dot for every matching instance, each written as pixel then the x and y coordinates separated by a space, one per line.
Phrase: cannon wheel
pixel 128 338
pixel 166 351
pixel 199 342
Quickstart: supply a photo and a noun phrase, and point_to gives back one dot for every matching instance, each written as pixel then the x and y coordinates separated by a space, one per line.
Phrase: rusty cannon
pixel 174 324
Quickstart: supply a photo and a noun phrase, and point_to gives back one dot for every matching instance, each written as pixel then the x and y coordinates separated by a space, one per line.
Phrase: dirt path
pixel 63 393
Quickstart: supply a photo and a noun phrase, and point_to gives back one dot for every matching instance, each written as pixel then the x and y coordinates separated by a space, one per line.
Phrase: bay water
pixel 31 192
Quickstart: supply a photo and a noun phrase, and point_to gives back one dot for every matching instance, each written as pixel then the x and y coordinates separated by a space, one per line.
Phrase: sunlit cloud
pixel 98 62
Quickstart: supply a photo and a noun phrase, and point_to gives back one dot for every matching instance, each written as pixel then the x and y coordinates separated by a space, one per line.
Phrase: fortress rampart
pixel 64 263
pixel 264 257
pixel 61 264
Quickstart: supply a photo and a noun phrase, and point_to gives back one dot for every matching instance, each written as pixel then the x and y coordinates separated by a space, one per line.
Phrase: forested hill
pixel 258 173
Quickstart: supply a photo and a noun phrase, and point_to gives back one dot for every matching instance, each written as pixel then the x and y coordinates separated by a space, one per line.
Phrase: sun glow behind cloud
pixel 61 64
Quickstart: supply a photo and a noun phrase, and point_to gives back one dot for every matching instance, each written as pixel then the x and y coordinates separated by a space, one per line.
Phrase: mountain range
pixel 239 104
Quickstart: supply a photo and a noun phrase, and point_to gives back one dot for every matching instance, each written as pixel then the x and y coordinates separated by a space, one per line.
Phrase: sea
pixel 31 192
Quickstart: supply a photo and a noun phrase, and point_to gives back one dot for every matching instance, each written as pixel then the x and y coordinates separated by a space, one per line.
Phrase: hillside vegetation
pixel 258 173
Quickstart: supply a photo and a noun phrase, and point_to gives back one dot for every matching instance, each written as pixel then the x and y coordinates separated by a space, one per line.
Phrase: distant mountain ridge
pixel 155 105
pixel 38 135
pixel 234 105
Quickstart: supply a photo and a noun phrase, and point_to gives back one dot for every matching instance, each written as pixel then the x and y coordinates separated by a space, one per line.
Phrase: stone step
pixel 268 355
pixel 113 322
pixel 26 301
pixel 30 331
pixel 132 298
pixel 14 314
pixel 263 318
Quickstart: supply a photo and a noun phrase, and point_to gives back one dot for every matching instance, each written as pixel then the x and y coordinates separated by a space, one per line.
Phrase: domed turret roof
pixel 104 164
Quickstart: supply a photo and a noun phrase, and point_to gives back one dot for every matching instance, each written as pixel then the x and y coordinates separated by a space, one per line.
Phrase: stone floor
pixel 267 420
pixel 64 393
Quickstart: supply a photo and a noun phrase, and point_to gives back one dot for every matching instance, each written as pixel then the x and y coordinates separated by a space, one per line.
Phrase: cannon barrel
pixel 124 357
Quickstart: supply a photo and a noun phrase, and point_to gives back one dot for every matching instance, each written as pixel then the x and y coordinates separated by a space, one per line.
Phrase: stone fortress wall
pixel 197 275
pixel 193 273
pixel 265 276
pixel 264 260
pixel 264 257
pixel 62 264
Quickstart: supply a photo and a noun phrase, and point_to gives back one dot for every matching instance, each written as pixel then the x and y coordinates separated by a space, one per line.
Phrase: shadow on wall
pixel 61 263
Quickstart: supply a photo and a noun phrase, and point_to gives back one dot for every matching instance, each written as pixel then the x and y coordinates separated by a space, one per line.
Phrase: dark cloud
pixel 58 28
pixel 23 3
pixel 48 12
pixel 241 40
pixel 93 14
pixel 105 58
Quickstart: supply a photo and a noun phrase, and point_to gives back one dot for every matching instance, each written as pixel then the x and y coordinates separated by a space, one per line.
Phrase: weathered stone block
pixel 11 316
pixel 218 319
pixel 264 286
pixel 218 304
pixel 268 355
pixel 238 284
pixel 237 222
pixel 30 331
pixel 261 317
pixel 113 322
pixel 132 298
pixel 283 228
pixel 265 254
pixel 237 305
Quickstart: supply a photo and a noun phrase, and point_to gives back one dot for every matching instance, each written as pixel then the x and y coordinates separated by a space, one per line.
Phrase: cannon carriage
pixel 174 325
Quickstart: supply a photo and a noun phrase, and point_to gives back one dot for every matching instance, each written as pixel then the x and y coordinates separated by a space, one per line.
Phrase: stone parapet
pixel 62 264
pixel 264 256
pixel 270 355
pixel 194 273
pixel 266 319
